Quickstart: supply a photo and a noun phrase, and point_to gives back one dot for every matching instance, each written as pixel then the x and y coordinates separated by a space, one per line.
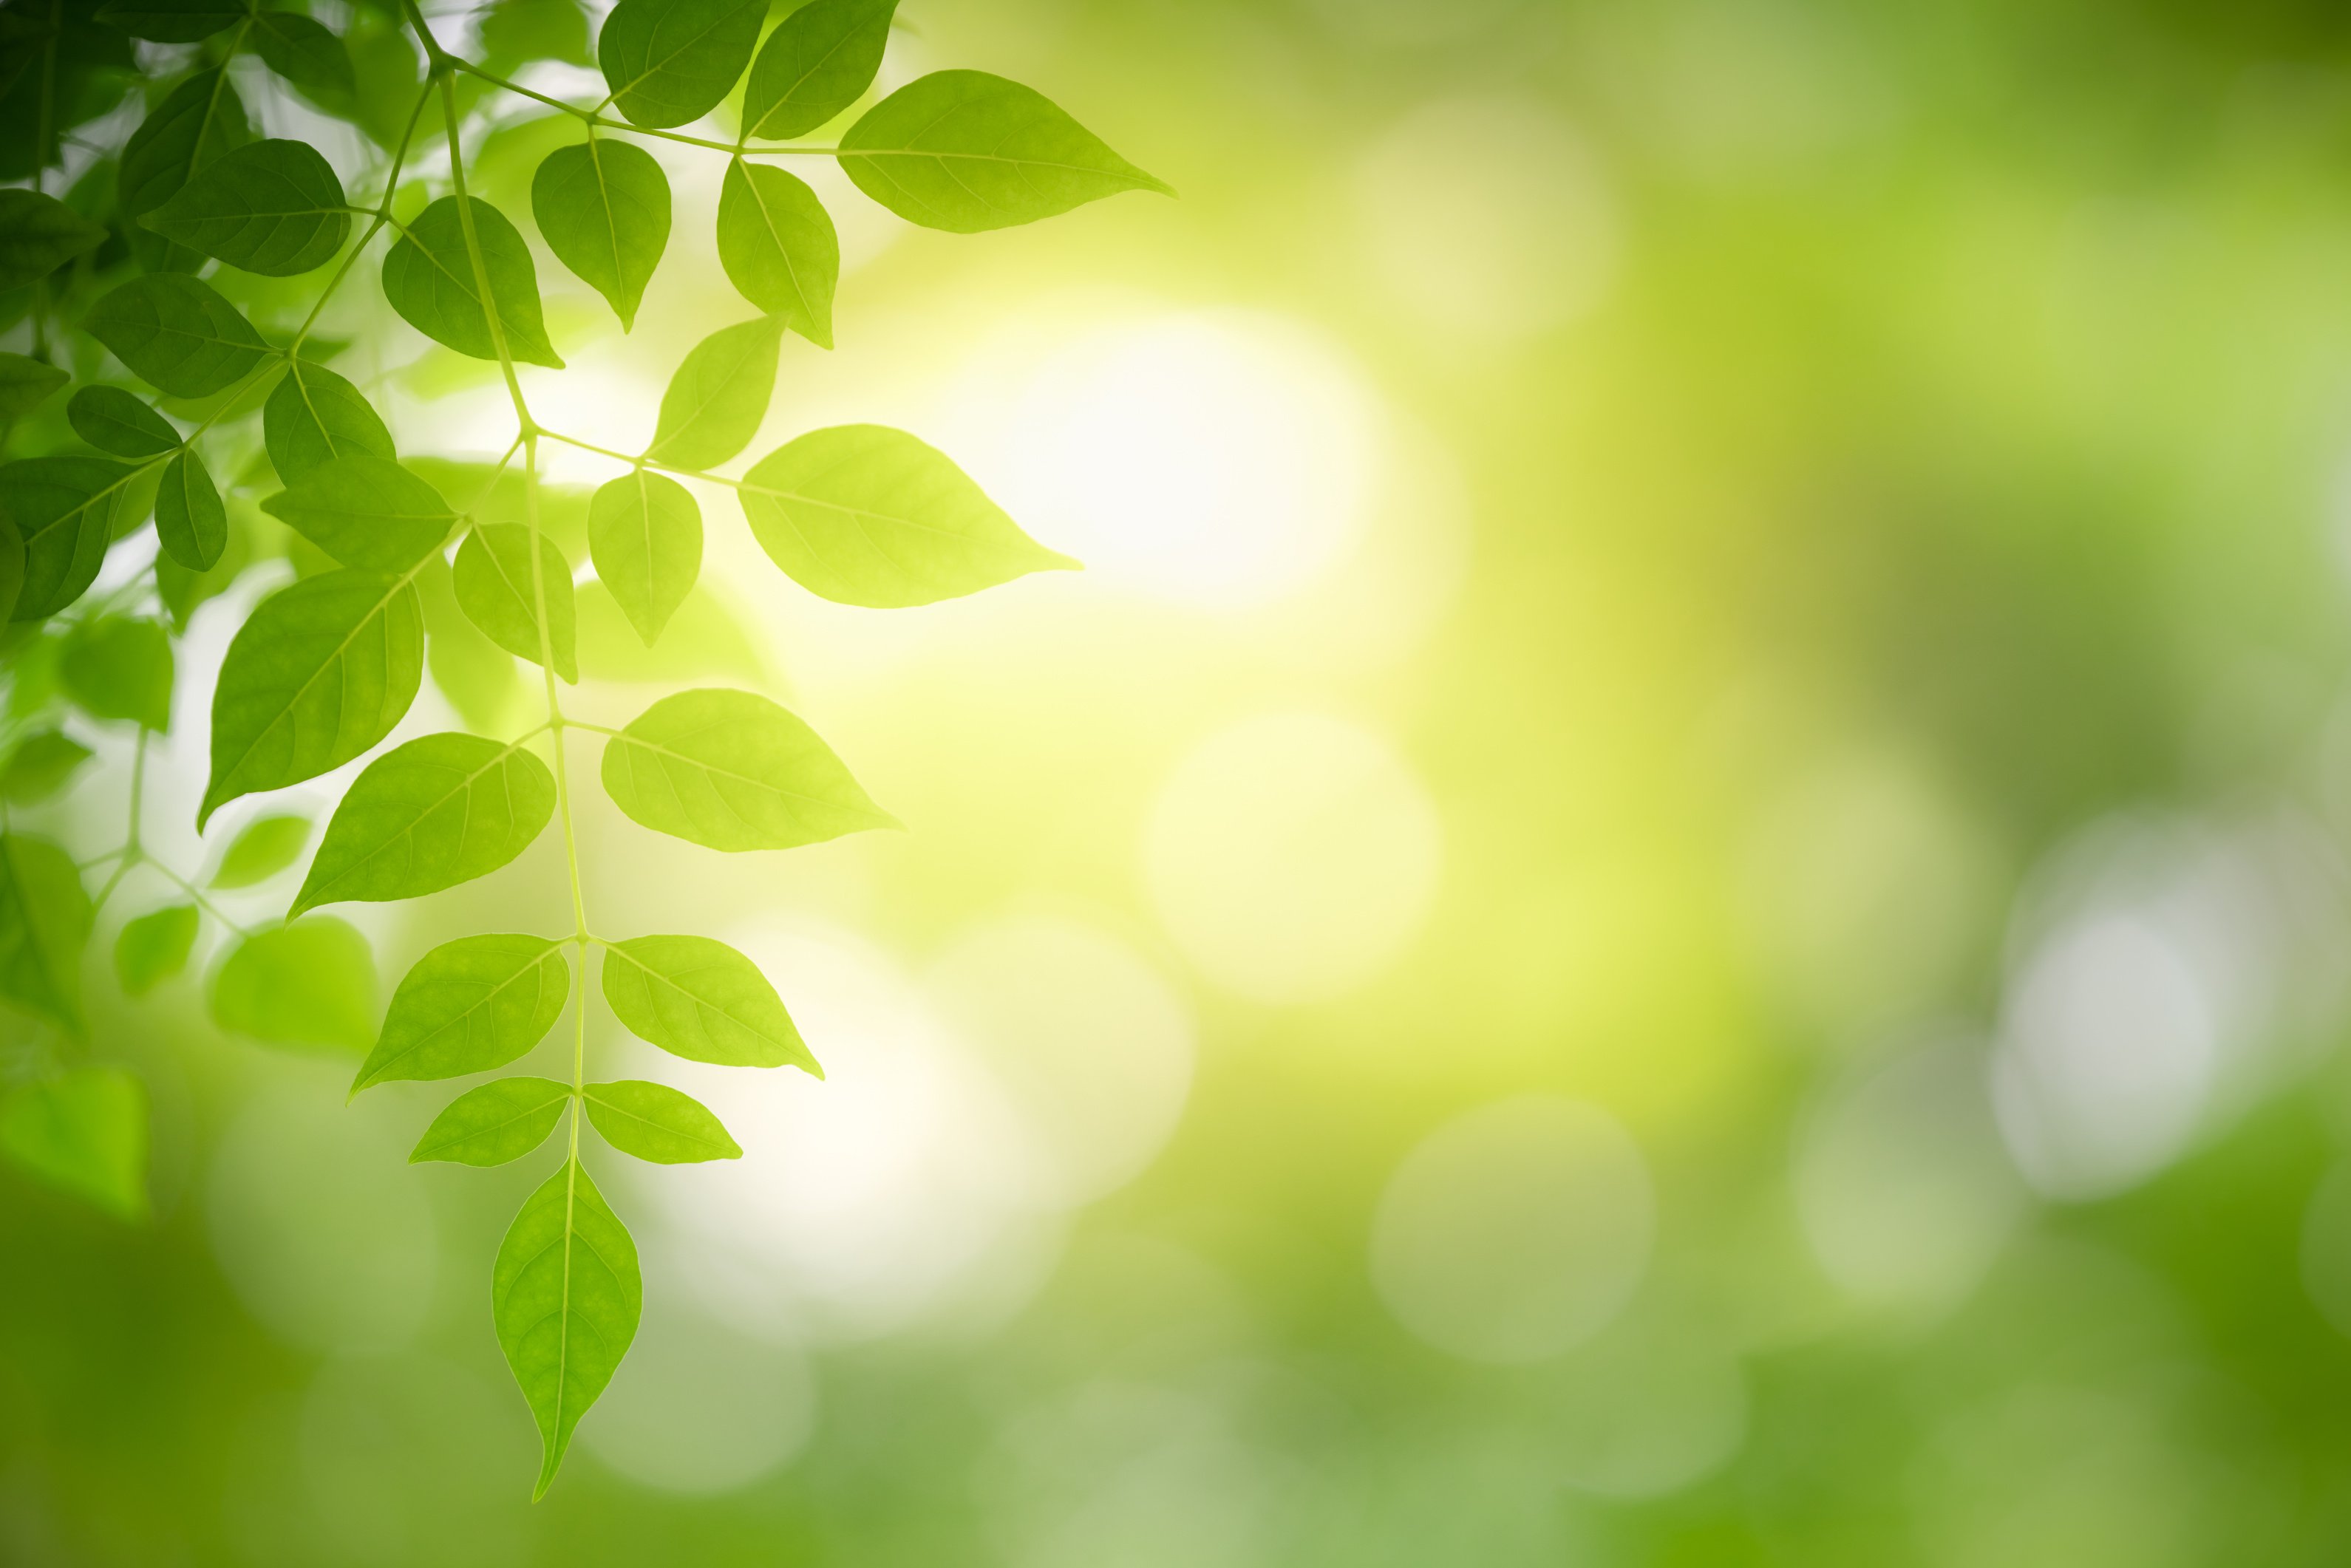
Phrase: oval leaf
pixel 565 1294
pixel 305 53
pixel 439 811
pixel 201 120
pixel 63 509
pixel 274 207
pixel 429 277
pixel 40 765
pixel 644 534
pixel 733 771
pixel 177 333
pixel 83 1132
pixel 266 846
pixel 190 524
pixel 365 511
pixel 114 667
pixel 493 1123
pixel 776 242
pixel 495 590
pixel 469 1006
pixel 671 61
pixel 116 420
pixel 818 62
pixel 44 917
pixel 311 982
pixel 154 947
pixel 657 1123
pixel 719 395
pixel 603 209
pixel 314 415
pixel 38 235
pixel 703 1000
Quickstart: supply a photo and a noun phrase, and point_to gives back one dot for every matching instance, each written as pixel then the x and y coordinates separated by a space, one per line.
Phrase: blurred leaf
pixel 429 278
pixel 44 916
pixel 656 1122
pixel 439 811
pixel 966 151
pixel 480 679
pixel 314 415
pixel 468 1005
pixel 305 53
pixel 181 588
pixel 705 640
pixel 118 422
pixel 85 1132
pixel 701 999
pixel 266 846
pixel 718 396
pixel 171 21
pixel 517 31
pixel 63 508
pixel 497 1122
pixel 116 667
pixel 38 235
pixel 487 494
pixel 201 120
pixel 309 983
pixel 669 62
pixel 25 383
pixel 190 524
pixel 730 770
pixel 39 765
pixel 177 333
pixel 644 533
pixel 861 514
pixel 777 244
pixel 603 206
pixel 389 71
pixel 365 511
pixel 818 62
pixel 274 207
pixel 154 947
pixel 493 576
pixel 565 1294
pixel 317 675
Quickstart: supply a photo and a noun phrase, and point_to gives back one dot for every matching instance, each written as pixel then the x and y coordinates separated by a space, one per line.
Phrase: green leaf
pixel 861 514
pixel 44 917
pixel 671 61
pixel 154 947
pixel 266 846
pixel 317 675
pixel 565 1294
pixel 729 770
pixel 201 120
pixel 190 521
pixel 25 383
pixel 818 62
pixel 480 679
pixel 274 208
pixel 39 767
pixel 429 278
pixel 468 1005
pixel 170 21
pixel 38 235
pixel 64 510
pixel 311 982
pixel 719 395
pixel 656 1122
pixel 84 1132
pixel 703 1000
pixel 114 667
pixel 439 811
pixel 777 244
pixel 365 511
pixel 497 1122
pixel 118 422
pixel 965 151
pixel 177 333
pixel 495 590
pixel 603 209
pixel 517 31
pixel 305 53
pixel 314 415
pixel 644 534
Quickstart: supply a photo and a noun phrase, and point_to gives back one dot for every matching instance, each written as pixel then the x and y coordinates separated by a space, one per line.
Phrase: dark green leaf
pixel 703 1000
pixel 317 675
pixel 861 514
pixel 177 333
pixel 154 947
pixel 40 765
pixel 266 846
pixel 429 278
pixel 118 422
pixel 83 1132
pixel 439 811
pixel 170 21
pixel 365 511
pixel 313 415
pixel 497 1122
pixel 719 395
pixel 311 983
pixel 656 1122
pixel 644 533
pixel 44 917
pixel 603 209
pixel 515 32
pixel 25 383
pixel 671 61
pixel 190 521
pixel 733 771
pixel 566 1295
pixel 38 235
pixel 119 668
pixel 495 590
pixel 274 207
pixel 963 151
pixel 469 1006
pixel 816 63
pixel 64 510
pixel 305 53
pixel 201 120
pixel 777 244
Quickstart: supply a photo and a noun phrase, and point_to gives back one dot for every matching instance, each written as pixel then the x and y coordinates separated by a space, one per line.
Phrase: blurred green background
pixel 1673 896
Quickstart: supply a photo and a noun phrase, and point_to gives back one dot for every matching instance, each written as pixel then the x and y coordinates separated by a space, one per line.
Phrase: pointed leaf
pixel 861 514
pixel 365 511
pixel 266 846
pixel 115 667
pixel 319 674
pixel 275 208
pixel 154 947
pixel 603 207
pixel 429 278
pixel 655 1123
pixel 733 771
pixel 313 415
pixel 703 1000
pixel 469 1006
pixel 777 244
pixel 566 1295
pixel 38 235
pixel 177 333
pixel 64 510
pixel 39 767
pixel 44 917
pixel 495 590
pixel 190 524
pixel 118 422
pixel 170 21
pixel 310 984
pixel 305 53
pixel 719 395
pixel 201 120
pixel 669 62
pixel 644 534
pixel 25 383
pixel 818 62
pixel 497 1122
pixel 439 811
pixel 85 1132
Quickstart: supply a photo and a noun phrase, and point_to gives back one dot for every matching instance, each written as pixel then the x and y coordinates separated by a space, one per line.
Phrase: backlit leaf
pixel 25 383
pixel 304 52
pixel 44 916
pixel 39 767
pixel 190 521
pixel 718 396
pixel 171 21
pixel 496 591
pixel 777 245
pixel 603 209
pixel 83 1132
pixel 730 770
pixel 365 511
pixel 38 235
pixel 644 533
pixel 275 207
pixel 655 1123
pixel 469 1006
pixel 703 1000
pixel 671 61
pixel 565 1294
pixel 118 422
pixel 177 333
pixel 311 982
pixel 498 1122
pixel 313 415
pixel 154 947
pixel 115 667
pixel 201 120
pixel 516 31
pixel 818 62
pixel 266 846
pixel 64 510
pixel 429 278
pixel 431 813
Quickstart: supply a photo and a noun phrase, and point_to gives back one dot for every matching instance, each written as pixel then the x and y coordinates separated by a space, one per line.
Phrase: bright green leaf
pixel 669 62
pixel 493 1123
pixel 644 533
pixel 496 591
pixel 730 770
pixel 266 846
pixel 314 415
pixel 118 422
pixel 25 383
pixel 115 667
pixel 177 333
pixel 703 1000
pixel 439 811
pixel 39 767
pixel 64 510
pixel 201 120
pixel 655 1123
pixel 777 244
pixel 154 947
pixel 190 521
pixel 38 235
pixel 565 1294
pixel 275 207
pixel 719 395
pixel 603 209
pixel 818 62
pixel 365 511
pixel 44 916
pixel 311 982
pixel 429 277
pixel 862 514
pixel 469 1006
pixel 83 1132
pixel 305 53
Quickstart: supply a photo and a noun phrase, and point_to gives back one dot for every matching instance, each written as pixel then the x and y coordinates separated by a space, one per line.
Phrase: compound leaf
pixel 777 245
pixel 115 667
pixel 25 383
pixel 493 577
pixel 314 415
pixel 275 207
pixel 816 63
pixel 64 510
pixel 177 333
pixel 266 846
pixel 701 999
pixel 655 1123
pixel 365 511
pixel 305 53
pixel 468 1005
pixel 40 765
pixel 118 422
pixel 439 811
pixel 644 534
pixel 201 120
pixel 671 61
pixel 190 524
pixel 565 1294
pixel 154 947
pixel 718 396
pixel 38 235
pixel 83 1132
pixel 498 1122
pixel 603 207
pixel 429 278
pixel 311 982
pixel 44 917
pixel 730 770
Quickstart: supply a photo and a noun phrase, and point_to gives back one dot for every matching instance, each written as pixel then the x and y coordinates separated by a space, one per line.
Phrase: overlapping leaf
pixel 177 333
pixel 313 415
pixel 190 524
pixel 603 209
pixel 63 511
pixel 365 511
pixel 274 207
pixel 501 595
pixel 38 235
pixel 25 383
pixel 200 121
pixel 669 62
pixel 430 278
pixel 305 53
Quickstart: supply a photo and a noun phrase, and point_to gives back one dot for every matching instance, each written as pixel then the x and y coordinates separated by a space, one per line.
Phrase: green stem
pixel 640 462
pixel 590 117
